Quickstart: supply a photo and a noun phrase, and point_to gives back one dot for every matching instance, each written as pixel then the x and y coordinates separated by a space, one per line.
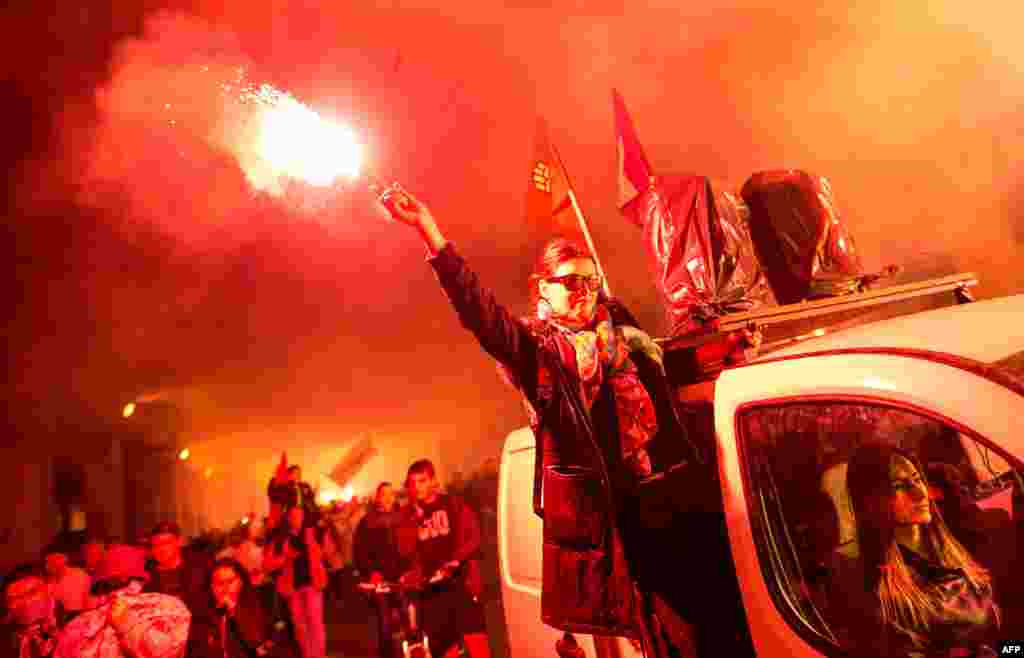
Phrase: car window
pixel 1013 365
pixel 797 459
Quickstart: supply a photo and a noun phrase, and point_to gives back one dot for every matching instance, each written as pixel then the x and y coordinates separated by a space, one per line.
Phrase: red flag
pixel 548 205
pixel 282 469
pixel 695 236
pixel 358 454
pixel 634 170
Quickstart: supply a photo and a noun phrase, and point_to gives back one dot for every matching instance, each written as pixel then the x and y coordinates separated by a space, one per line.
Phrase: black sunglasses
pixel 575 282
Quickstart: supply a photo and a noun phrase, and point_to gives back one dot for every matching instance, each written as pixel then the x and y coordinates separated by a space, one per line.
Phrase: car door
pixel 784 428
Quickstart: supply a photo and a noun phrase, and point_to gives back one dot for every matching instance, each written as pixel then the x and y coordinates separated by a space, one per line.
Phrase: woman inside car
pixel 914 590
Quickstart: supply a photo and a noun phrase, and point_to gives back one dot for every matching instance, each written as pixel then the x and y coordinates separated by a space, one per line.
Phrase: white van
pixel 949 383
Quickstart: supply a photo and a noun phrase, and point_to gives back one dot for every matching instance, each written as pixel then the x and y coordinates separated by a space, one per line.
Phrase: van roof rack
pixel 785 325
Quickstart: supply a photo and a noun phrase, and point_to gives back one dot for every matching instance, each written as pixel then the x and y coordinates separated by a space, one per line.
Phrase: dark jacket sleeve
pixel 468 532
pixel 362 553
pixel 201 632
pixel 467 548
pixel 497 330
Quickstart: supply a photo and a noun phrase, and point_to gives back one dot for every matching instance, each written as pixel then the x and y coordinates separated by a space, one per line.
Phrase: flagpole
pixel 582 222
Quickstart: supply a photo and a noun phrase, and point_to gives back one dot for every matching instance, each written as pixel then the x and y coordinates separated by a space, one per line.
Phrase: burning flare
pixel 296 142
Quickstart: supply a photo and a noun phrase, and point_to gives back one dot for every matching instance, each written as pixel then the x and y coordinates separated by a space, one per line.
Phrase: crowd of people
pixel 262 592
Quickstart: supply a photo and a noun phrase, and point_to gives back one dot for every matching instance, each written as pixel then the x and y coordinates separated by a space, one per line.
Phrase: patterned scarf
pixel 602 355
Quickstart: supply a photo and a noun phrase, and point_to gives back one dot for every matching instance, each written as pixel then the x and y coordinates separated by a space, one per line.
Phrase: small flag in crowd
pixel 282 469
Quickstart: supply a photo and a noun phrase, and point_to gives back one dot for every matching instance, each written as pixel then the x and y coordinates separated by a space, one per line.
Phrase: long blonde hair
pixel 905 604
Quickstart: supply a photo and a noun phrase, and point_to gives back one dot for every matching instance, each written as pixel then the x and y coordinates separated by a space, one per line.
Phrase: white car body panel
pixel 983 331
pixel 521 547
pixel 978 404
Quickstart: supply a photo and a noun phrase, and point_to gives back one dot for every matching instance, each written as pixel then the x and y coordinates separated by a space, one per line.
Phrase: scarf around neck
pixel 602 352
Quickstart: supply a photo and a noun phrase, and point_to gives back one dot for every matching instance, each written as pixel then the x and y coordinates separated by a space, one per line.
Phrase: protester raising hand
pixel 409 210
pixel 579 356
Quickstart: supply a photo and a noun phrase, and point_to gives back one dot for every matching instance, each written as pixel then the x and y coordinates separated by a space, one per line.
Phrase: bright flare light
pixel 128 410
pixel 184 454
pixel 298 143
pixel 347 493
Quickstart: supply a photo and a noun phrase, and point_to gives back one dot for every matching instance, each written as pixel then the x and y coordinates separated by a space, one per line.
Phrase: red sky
pixel 299 332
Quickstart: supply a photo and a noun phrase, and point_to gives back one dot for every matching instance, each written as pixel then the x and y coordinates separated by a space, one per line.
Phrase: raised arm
pixel 497 330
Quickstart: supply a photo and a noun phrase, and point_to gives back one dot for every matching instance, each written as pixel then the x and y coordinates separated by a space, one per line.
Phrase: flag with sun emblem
pixel 548 206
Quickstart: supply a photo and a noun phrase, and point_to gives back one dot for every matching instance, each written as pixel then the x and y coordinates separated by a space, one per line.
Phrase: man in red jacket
pixel 447 544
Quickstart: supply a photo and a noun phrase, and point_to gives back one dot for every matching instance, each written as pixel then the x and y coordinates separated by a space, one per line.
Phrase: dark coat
pixel 191 584
pixel 248 633
pixel 376 544
pixel 290 494
pixel 588 585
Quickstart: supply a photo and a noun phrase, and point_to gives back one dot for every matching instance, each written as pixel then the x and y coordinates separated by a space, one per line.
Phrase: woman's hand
pixel 745 344
pixel 752 336
pixel 118 611
pixel 403 206
pixel 409 210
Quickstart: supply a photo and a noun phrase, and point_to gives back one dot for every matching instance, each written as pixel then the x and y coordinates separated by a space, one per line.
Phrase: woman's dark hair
pixel 904 604
pixel 421 466
pixel 230 563
pixel 555 253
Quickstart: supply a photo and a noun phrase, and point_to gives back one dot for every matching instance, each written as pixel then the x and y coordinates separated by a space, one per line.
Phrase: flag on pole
pixel 548 204
pixel 282 469
pixel 634 170
pixel 695 234
pixel 551 201
pixel 358 454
